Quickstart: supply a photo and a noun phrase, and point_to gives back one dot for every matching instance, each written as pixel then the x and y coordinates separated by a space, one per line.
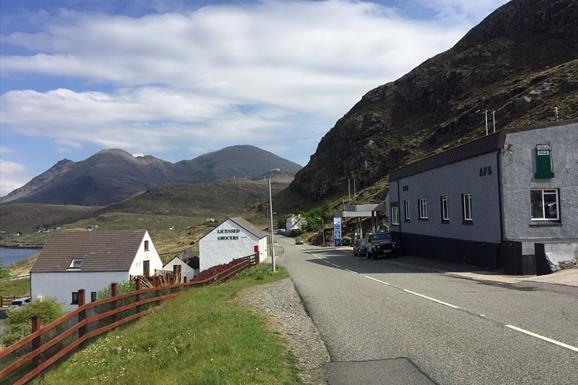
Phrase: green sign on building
pixel 543 162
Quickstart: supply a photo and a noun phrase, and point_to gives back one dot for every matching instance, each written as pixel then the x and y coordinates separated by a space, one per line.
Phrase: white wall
pixel 263 249
pixel 186 270
pixel 214 251
pixel 155 261
pixel 61 285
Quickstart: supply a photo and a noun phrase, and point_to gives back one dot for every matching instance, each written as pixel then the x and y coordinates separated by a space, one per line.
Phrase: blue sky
pixel 176 78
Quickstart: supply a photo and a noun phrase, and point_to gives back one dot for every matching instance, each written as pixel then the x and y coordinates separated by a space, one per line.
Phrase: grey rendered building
pixel 490 201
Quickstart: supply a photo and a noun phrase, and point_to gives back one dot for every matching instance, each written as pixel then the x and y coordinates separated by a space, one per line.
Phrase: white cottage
pixel 189 266
pixel 91 261
pixel 234 238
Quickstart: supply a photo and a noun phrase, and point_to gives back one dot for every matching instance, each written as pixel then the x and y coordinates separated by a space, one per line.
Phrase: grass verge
pixel 15 287
pixel 202 337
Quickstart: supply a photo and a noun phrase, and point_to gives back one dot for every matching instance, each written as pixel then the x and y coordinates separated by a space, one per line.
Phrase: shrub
pixel 295 232
pixel 18 321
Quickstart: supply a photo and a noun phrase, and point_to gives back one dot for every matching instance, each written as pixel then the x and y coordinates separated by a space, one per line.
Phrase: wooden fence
pixel 27 358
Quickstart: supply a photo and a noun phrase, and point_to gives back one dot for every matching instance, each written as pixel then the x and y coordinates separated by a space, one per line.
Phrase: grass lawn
pixel 202 337
pixel 16 287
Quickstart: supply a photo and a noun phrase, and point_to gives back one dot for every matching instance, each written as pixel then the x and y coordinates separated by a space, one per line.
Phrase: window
pixel 422 208
pixel 467 207
pixel 92 296
pixel 74 298
pixel 545 206
pixel 406 210
pixel 146 245
pixel 395 214
pixel 445 209
pixel 76 264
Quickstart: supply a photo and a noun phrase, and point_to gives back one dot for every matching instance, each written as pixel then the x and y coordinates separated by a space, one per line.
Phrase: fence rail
pixel 27 358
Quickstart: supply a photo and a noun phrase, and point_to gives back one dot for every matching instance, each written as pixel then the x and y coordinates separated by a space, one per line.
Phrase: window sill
pixel 468 222
pixel 545 224
pixel 423 219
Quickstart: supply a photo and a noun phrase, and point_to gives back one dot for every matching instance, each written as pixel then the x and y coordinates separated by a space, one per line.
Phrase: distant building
pixel 234 238
pixel 490 201
pixel 295 222
pixel 91 261
pixel 189 265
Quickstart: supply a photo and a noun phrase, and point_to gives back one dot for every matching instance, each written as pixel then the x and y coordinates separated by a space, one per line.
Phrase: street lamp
pixel 271 220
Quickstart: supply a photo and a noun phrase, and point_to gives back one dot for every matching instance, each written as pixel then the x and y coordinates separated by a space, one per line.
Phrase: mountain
pixel 521 61
pixel 113 175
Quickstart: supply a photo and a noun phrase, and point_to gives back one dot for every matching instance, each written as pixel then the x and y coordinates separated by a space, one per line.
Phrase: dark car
pixel 381 244
pixel 360 248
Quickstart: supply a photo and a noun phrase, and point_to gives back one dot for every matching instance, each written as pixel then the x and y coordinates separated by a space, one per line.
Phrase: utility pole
pixel 271 226
pixel 323 230
pixel 349 190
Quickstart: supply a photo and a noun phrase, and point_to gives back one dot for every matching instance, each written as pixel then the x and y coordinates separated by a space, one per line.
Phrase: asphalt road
pixel 456 331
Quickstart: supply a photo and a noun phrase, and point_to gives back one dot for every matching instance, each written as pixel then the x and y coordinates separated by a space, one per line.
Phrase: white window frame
pixel 467 207
pixel 445 209
pixel 76 264
pixel 395 215
pixel 546 191
pixel 422 208
pixel 406 213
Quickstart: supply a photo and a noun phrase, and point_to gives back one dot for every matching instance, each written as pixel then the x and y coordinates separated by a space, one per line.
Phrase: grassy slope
pixel 202 337
pixel 17 287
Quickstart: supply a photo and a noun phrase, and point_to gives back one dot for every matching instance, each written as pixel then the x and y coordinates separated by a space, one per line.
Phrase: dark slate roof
pixel 472 149
pixel 100 250
pixel 249 227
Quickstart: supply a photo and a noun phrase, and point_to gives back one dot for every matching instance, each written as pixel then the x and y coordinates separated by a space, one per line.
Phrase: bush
pixel 295 232
pixel 18 321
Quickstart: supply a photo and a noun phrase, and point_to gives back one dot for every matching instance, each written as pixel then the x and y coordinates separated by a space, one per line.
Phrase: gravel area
pixel 283 306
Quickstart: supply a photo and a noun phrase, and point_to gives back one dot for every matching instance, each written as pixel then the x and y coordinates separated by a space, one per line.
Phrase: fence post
pixel 137 296
pixel 113 303
pixel 36 323
pixel 82 314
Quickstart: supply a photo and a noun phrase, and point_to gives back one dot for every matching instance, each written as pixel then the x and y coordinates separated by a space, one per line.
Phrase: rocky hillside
pixel 521 61
pixel 113 175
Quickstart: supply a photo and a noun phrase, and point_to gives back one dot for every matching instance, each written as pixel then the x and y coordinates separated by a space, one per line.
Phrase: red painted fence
pixel 27 358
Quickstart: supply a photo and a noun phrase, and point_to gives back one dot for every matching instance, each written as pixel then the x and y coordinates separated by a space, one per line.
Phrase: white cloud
pixel 12 176
pixel 219 74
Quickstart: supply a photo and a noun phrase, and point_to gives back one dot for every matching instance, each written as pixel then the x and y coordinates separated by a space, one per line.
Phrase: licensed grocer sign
pixel 228 234
pixel 544 162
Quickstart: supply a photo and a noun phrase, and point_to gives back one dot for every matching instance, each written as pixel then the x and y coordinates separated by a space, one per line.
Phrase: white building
pixel 91 261
pixel 189 268
pixel 234 238
pixel 295 222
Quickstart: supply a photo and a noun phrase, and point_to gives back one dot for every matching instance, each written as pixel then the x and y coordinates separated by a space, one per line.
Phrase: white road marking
pixel 377 280
pixel 573 348
pixel 432 299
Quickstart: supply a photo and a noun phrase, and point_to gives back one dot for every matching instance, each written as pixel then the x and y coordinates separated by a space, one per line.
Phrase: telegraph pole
pixel 271 226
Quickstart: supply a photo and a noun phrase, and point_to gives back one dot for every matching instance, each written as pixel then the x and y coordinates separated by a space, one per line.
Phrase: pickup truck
pixel 381 244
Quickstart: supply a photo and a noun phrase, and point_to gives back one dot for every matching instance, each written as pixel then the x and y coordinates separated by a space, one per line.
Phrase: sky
pixel 176 78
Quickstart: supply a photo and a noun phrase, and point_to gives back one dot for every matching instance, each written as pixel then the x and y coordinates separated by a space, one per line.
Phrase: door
pixel 146 268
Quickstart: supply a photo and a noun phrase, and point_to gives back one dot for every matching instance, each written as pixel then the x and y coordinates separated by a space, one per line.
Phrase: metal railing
pixel 27 358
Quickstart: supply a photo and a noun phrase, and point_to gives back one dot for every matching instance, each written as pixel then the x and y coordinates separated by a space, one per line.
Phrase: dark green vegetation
pixel 521 61
pixel 202 337
pixel 18 322
pixel 113 175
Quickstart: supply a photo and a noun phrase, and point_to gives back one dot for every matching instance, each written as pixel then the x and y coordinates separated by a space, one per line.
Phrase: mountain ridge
pixel 111 175
pixel 521 61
